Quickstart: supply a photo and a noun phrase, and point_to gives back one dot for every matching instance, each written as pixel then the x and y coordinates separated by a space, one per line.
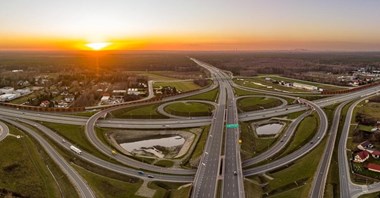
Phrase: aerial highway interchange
pixel 220 164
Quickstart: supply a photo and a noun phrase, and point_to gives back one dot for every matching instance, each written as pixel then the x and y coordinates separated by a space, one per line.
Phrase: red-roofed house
pixel 375 154
pixel 373 167
pixel 365 145
pixel 361 157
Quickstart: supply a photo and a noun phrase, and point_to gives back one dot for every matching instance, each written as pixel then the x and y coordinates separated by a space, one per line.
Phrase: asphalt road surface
pixel 4 131
pixel 79 183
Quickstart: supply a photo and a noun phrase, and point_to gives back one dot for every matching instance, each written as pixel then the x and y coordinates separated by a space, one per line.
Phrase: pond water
pixel 269 129
pixel 148 145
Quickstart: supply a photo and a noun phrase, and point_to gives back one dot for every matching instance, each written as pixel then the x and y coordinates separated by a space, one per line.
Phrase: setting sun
pixel 98 46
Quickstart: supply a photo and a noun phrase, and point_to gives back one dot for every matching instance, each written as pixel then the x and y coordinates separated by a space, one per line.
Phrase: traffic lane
pixel 298 153
pixel 279 145
pixel 4 131
pixel 319 181
pixel 99 145
pixel 64 143
pixel 79 183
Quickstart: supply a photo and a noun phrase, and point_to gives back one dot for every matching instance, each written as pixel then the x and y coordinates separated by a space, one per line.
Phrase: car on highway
pixel 140 172
pixel 150 176
pixel 235 173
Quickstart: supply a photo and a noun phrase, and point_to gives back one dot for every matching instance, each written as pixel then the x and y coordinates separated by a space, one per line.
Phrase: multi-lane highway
pixel 213 166
pixel 298 153
pixel 206 178
pixel 279 145
pixel 158 175
pixel 319 181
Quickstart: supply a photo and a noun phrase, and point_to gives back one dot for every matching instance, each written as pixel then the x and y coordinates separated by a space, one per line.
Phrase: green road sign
pixel 232 126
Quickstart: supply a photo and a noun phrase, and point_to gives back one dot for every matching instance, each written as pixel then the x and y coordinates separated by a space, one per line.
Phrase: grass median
pixel 189 109
pixel 257 103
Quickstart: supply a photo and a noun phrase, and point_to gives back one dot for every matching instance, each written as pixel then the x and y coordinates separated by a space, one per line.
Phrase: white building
pixel 8 97
pixel 133 91
pixel 304 86
pixel 24 91
pixel 6 90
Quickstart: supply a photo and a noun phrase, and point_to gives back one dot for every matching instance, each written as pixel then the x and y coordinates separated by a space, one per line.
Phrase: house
pixel 105 98
pixel 375 154
pixel 45 103
pixel 133 91
pixel 365 145
pixel 361 157
pixel 119 92
pixel 69 99
pixel 373 167
pixel 62 104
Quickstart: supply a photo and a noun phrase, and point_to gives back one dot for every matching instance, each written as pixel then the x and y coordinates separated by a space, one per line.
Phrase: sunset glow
pixel 190 25
pixel 97 46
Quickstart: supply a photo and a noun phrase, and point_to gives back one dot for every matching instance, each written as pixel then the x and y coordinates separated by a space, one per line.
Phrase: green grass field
pixel 141 112
pixel 210 96
pixel 23 169
pixel 154 75
pixel 303 168
pixel 241 92
pixel 105 187
pixel 198 150
pixel 76 135
pixel 189 109
pixel 182 86
pixel 261 83
pixel 303 133
pixel 321 85
pixel 257 103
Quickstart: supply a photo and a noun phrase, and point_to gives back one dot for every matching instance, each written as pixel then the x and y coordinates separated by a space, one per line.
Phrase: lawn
pixel 198 151
pixel 251 145
pixel 294 115
pixel 210 96
pixel 257 103
pixel 302 169
pixel 108 187
pixel 85 113
pixel 23 169
pixel 158 76
pixel 140 112
pixel 372 195
pixel 23 99
pixel 189 109
pixel 165 163
pixel 261 83
pixel 77 136
pixel 303 133
pixel 241 92
pixel 181 86
pixel 320 85
pixel 371 109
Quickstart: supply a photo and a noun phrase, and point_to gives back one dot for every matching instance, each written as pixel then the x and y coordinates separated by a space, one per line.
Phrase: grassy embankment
pixel 189 109
pixel 210 96
pixel 24 169
pixel 181 86
pixel 257 103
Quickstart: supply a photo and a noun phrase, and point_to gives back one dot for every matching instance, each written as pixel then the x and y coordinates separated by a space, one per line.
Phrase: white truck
pixel 75 149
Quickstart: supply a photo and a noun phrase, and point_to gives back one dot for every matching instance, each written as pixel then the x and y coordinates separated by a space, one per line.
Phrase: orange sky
pixel 190 25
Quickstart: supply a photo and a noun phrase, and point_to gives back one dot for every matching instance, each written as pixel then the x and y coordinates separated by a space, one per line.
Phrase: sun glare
pixel 97 46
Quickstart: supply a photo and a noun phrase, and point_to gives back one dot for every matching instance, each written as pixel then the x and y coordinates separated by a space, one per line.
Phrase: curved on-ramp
pixel 79 183
pixel 4 131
